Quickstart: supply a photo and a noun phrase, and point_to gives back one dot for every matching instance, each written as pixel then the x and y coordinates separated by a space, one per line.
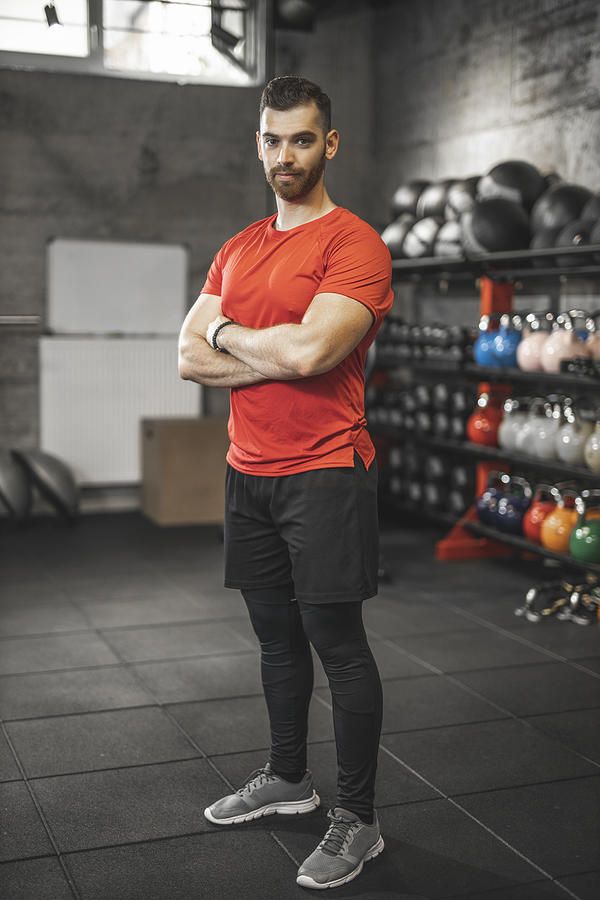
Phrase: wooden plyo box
pixel 183 470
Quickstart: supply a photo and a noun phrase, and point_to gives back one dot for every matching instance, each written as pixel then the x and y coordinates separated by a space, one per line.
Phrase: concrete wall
pixel 91 157
pixel 462 85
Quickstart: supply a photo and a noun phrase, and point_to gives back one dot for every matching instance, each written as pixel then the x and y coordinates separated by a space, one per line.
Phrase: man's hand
pixel 213 326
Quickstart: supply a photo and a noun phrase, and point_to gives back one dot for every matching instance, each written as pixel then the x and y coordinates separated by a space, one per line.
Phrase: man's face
pixel 294 150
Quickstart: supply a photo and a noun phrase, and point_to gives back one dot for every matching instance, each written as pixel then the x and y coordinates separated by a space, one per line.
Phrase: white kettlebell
pixel 592 450
pixel 516 413
pixel 572 436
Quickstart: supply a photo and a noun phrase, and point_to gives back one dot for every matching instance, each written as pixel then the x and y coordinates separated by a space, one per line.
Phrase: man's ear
pixel 258 146
pixel 332 142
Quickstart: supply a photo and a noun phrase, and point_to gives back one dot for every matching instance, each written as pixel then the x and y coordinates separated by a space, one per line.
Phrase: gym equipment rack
pixel 497 275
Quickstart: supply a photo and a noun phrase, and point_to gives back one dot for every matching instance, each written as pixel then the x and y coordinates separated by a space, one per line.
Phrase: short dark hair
pixel 288 91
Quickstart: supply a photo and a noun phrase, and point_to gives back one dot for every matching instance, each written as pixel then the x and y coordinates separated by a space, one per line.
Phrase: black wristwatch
pixel 215 346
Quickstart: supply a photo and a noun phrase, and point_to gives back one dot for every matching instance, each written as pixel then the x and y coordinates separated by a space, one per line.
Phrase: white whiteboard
pixel 104 287
pixel 95 391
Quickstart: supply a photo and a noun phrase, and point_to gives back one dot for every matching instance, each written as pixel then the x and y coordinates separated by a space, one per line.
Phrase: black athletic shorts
pixel 316 531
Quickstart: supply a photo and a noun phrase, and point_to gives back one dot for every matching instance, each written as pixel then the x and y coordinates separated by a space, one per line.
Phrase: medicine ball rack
pixel 497 275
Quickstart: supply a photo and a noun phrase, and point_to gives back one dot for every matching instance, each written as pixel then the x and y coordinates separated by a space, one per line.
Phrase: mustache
pixel 286 172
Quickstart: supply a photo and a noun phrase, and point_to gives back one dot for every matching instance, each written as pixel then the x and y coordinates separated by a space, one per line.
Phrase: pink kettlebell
pixel 535 334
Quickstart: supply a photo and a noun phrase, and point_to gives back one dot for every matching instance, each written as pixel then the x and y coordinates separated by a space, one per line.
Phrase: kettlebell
pixel 584 542
pixel 486 505
pixel 571 437
pixel 513 505
pixel 525 432
pixel 563 343
pixel 542 504
pixel 544 439
pixel 516 411
pixel 484 421
pixel 536 332
pixel 559 523
pixel 483 348
pixel 591 451
pixel 594 337
pixel 507 340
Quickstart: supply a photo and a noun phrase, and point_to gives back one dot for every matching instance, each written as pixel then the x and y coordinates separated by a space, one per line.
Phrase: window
pixel 196 41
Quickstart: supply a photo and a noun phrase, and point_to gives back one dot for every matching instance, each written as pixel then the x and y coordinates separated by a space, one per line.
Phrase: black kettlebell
pixel 440 395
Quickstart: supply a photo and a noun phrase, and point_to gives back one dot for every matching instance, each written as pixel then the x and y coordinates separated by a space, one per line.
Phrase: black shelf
pixel 510 266
pixel 473 372
pixel 521 543
pixel 481 451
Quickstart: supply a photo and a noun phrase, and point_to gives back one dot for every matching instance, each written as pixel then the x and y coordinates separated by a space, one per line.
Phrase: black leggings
pixel 284 629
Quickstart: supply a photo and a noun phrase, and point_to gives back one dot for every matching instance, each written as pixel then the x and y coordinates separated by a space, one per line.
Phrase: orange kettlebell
pixel 557 526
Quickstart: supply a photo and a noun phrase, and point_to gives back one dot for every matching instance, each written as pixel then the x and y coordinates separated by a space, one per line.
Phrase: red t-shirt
pixel 267 277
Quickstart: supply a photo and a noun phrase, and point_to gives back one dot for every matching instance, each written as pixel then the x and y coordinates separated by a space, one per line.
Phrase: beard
pixel 301 185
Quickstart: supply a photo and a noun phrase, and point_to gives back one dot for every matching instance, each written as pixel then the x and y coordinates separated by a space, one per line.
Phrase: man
pixel 287 313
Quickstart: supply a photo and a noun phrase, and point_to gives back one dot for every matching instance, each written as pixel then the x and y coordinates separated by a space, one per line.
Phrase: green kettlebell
pixel 584 542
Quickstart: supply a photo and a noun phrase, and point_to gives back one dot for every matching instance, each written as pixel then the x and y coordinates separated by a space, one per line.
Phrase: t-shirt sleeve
pixel 359 265
pixel 214 278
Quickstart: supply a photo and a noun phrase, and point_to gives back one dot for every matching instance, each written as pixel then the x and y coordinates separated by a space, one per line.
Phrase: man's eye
pixel 270 141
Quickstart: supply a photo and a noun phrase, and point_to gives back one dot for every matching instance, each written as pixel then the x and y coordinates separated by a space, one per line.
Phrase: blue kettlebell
pixel 513 506
pixel 486 505
pixel 507 339
pixel 483 348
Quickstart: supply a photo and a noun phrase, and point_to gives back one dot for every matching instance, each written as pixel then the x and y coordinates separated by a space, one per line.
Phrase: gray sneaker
pixel 341 855
pixel 263 795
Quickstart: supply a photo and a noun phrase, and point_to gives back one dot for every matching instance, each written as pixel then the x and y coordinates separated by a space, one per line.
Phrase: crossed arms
pixel 331 328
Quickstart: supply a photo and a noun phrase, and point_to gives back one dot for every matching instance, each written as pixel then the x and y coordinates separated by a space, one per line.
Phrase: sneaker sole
pixel 307 881
pixel 285 808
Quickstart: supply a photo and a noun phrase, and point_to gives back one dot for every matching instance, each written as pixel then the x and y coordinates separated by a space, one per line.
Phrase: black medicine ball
pixel 432 201
pixel 595 239
pixel 406 197
pixel 559 205
pixel 461 197
pixel 591 210
pixel 543 240
pixel 395 233
pixel 514 180
pixel 495 225
pixel 575 234
pixel 420 239
pixel 448 241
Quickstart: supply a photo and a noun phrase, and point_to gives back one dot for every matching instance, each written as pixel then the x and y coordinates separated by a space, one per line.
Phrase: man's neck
pixel 289 215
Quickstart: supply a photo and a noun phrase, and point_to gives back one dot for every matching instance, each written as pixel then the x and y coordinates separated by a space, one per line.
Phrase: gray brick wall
pixel 462 85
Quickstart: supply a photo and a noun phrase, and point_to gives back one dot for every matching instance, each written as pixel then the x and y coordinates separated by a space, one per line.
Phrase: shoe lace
pixel 255 779
pixel 337 835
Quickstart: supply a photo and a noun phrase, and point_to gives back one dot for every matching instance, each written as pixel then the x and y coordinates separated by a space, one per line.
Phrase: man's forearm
pixel 279 352
pixel 200 363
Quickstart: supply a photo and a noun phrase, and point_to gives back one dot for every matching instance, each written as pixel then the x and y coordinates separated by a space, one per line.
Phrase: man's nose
pixel 285 155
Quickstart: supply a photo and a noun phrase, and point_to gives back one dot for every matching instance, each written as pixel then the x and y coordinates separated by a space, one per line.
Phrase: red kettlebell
pixel 541 506
pixel 484 421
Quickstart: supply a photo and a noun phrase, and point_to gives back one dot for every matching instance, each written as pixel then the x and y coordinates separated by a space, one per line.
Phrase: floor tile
pixel 541 890
pixel 103 740
pixel 565 638
pixel 203 867
pixel 126 805
pixel 586 886
pixel 485 756
pixel 432 850
pixel 579 730
pixel 24 618
pixel 34 879
pixel 203 679
pixel 236 725
pixel 529 690
pixel 9 771
pixel 172 641
pixel 555 825
pixel 64 651
pixel 406 618
pixel 139 610
pixel 428 702
pixel 462 651
pixel 59 693
pixel 21 828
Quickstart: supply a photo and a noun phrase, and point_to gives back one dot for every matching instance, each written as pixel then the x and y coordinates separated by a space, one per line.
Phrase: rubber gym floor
pixel 130 699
